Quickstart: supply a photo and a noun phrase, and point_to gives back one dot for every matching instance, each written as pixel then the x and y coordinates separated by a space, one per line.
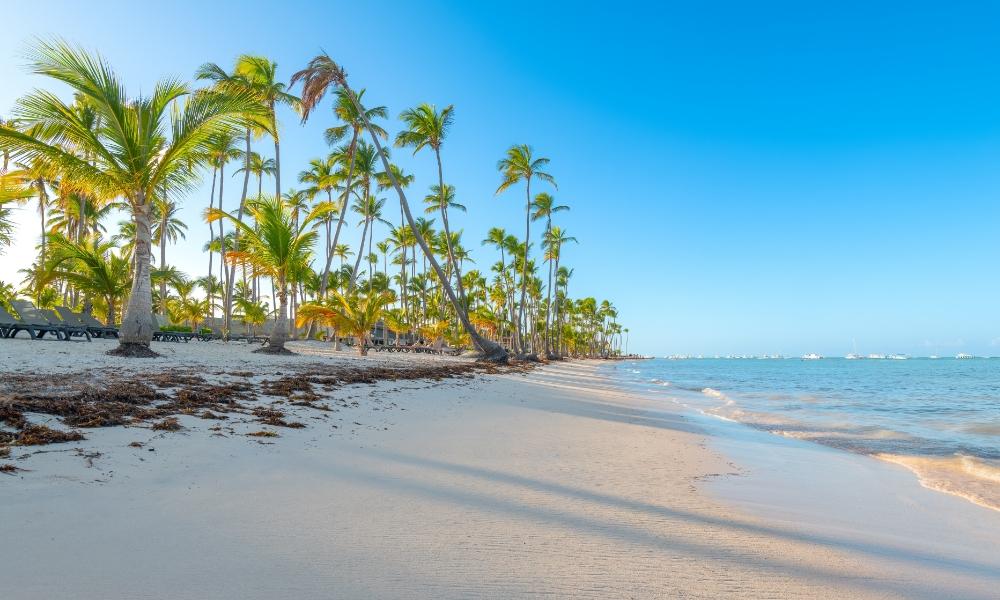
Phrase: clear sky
pixel 744 177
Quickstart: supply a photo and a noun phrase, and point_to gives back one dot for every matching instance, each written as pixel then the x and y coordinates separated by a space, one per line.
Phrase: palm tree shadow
pixel 618 530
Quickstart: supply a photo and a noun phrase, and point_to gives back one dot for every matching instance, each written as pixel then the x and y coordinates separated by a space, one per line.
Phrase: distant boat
pixel 853 356
pixel 933 357
pixel 876 356
pixel 963 356
pixel 811 356
pixel 898 357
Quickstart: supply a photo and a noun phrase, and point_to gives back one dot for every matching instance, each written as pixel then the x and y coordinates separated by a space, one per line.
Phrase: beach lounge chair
pixel 34 325
pixel 10 325
pixel 160 335
pixel 70 329
pixel 93 325
pixel 94 328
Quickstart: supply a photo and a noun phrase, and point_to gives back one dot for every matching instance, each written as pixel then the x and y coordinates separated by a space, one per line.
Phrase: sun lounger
pixel 75 320
pixel 36 326
pixel 95 327
pixel 159 335
pixel 70 330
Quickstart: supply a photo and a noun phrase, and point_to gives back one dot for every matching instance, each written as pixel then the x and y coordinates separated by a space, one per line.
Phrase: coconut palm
pixel 323 73
pixel 258 166
pixel 353 117
pixel 93 267
pixel 136 152
pixel 167 227
pixel 277 247
pixel 355 314
pixel 545 205
pixel 426 127
pixel 520 165
pixel 555 237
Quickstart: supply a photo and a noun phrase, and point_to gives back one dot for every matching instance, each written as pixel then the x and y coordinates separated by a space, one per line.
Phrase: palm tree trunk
pixel 279 333
pixel 524 266
pixel 137 326
pixel 231 274
pixel 447 230
pixel 361 251
pixel 343 213
pixel 548 302
pixel 490 350
pixel 163 259
pixel 211 252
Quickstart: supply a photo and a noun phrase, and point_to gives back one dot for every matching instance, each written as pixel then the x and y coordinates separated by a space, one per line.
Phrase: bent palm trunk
pixel 490 350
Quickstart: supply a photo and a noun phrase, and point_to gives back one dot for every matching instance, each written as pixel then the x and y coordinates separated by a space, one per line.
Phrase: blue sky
pixel 744 177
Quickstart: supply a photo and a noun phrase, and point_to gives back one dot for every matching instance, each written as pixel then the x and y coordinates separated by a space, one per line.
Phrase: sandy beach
pixel 550 483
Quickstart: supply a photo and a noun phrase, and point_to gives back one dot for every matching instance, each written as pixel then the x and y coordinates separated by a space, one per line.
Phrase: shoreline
pixel 556 481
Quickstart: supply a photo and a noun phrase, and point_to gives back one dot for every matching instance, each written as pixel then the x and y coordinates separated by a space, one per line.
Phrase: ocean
pixel 940 418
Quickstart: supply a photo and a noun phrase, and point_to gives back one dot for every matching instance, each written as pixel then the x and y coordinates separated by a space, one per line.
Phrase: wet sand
pixel 553 483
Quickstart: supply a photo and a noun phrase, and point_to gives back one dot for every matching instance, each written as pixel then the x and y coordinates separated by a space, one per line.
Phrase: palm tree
pixel 354 313
pixel 135 153
pixel 322 73
pixel 545 205
pixel 426 127
pixel 555 237
pixel 520 164
pixel 258 166
pixel 166 227
pixel 355 117
pixel 277 247
pixel 93 267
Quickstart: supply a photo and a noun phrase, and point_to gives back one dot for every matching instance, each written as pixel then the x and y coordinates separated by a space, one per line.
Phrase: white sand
pixel 549 484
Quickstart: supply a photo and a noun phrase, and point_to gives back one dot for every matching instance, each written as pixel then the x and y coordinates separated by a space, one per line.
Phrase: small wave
pixel 713 393
pixel 659 382
pixel 961 475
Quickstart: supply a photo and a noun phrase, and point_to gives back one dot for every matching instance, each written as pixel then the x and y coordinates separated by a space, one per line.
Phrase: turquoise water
pixel 938 417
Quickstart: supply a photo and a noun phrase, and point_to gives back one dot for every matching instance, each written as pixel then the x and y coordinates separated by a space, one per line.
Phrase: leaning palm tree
pixel 354 313
pixel 323 73
pixel 521 165
pixel 354 117
pixel 136 151
pixel 277 247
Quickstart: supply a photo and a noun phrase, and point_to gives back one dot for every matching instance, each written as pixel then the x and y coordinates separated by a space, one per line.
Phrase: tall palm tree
pixel 136 151
pixel 323 177
pixel 545 205
pixel 167 227
pixel 353 117
pixel 555 237
pixel 277 247
pixel 521 165
pixel 322 73
pixel 427 128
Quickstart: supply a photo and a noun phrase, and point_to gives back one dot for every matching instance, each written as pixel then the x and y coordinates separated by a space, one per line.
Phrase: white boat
pixel 898 357
pixel 876 356
pixel 963 356
pixel 853 356
pixel 811 356
pixel 933 357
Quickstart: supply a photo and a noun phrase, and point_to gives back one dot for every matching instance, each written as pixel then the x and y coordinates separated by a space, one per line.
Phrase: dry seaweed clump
pixel 264 433
pixel 8 469
pixel 39 435
pixel 168 424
